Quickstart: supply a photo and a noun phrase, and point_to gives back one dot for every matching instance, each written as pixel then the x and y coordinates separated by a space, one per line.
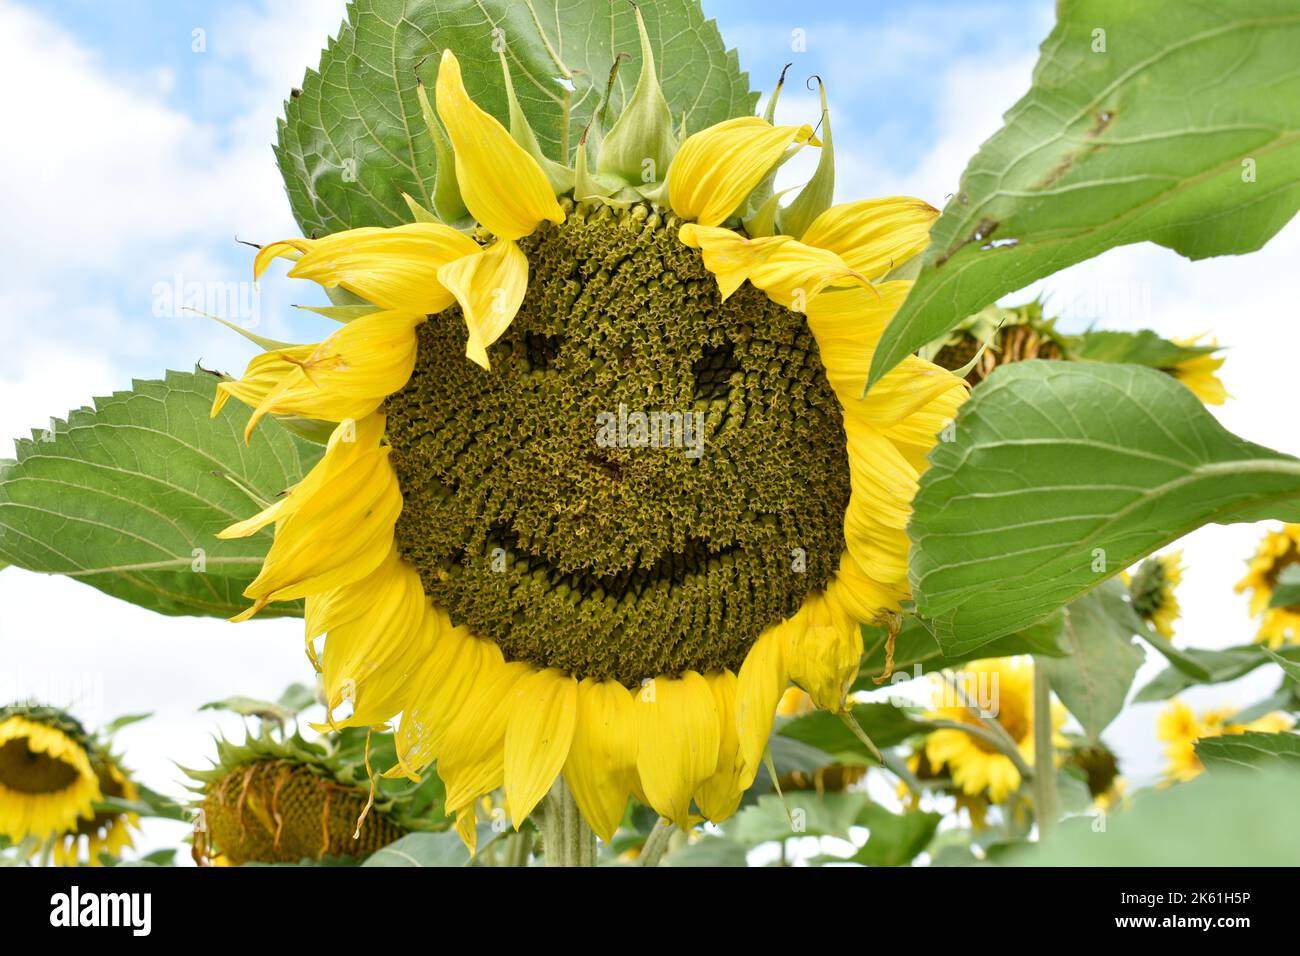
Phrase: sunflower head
pixel 273 801
pixel 1178 727
pixel 1098 763
pixel 1152 591
pixel 48 785
pixel 602 481
pixel 997 336
pixel 109 830
pixel 1199 373
pixel 1279 550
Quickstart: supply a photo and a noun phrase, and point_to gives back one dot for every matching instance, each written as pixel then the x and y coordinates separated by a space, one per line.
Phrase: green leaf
pixel 885 724
pixel 252 707
pixel 1289 667
pixel 1061 474
pixel 1185 131
pixel 128 497
pixel 1287 592
pixel 917 652
pixel 1219 667
pixel 895 838
pixel 1135 348
pixel 423 849
pixel 353 139
pixel 803 813
pixel 1224 819
pixel 126 720
pixel 708 851
pixel 1094 680
pixel 1249 750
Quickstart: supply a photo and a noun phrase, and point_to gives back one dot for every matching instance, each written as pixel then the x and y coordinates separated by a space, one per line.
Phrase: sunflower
pixel 108 831
pixel 997 336
pixel 47 784
pixel 1198 373
pixel 1152 591
pixel 975 765
pixel 1279 550
pixel 1179 727
pixel 976 807
pixel 603 480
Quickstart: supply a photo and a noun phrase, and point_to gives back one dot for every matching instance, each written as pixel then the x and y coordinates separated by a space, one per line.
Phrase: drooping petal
pixel 873 236
pixel 435 693
pixel 759 686
pixel 823 647
pixel 543 712
pixel 601 769
pixel 348 375
pixel 502 186
pixel 719 796
pixel 489 286
pixel 716 168
pixel 376 639
pixel 728 255
pixel 678 734
pixel 395 268
pixel 335 526
pixel 263 374
pixel 797 273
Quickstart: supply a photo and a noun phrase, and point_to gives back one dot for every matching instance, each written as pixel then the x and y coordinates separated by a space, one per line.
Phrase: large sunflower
pixel 651 497
pixel 1278 551
pixel 976 766
pixel 47 784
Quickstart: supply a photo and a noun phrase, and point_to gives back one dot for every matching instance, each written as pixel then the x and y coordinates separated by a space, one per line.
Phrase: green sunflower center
pixel 30 771
pixel 646 479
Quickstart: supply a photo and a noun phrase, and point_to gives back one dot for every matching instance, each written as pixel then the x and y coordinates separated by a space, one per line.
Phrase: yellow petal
pixel 873 236
pixel 728 255
pixel 823 648
pixel 395 268
pixel 718 167
pixel 759 686
pixel 797 273
pixel 335 526
pixel 678 734
pixel 264 373
pixel 348 375
pixel 542 717
pixel 503 187
pixel 489 287
pixel 436 692
pixel 719 796
pixel 601 768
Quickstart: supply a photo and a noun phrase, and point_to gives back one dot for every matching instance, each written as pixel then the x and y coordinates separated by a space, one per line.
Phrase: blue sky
pixel 138 160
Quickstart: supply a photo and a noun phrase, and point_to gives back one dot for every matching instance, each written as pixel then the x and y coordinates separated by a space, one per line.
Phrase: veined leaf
pixel 885 724
pixel 1212 667
pixel 1094 680
pixel 1167 121
pixel 1061 474
pixel 1249 750
pixel 129 495
pixel 353 138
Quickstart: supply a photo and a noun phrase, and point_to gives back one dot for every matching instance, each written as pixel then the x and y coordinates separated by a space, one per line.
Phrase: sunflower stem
pixel 1045 796
pixel 656 844
pixel 519 848
pixel 568 841
pixel 998 743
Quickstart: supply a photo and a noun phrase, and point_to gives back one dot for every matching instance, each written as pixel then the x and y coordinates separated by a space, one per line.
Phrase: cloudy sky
pixel 140 148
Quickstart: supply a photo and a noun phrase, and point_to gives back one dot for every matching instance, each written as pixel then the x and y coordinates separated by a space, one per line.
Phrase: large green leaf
pixel 129 495
pixel 353 139
pixel 1249 750
pixel 1094 680
pixel 885 724
pixel 423 850
pixel 895 838
pixel 1061 474
pixel 1246 818
pixel 1184 130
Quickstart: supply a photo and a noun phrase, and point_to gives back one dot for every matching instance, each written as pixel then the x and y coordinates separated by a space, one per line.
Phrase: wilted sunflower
pixel 503 550
pixel 1278 551
pixel 47 784
pixel 1179 728
pixel 1004 685
pixel 1152 591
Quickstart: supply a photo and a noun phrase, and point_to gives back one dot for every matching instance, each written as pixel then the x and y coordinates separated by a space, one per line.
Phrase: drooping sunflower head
pixel 997 336
pixel 47 784
pixel 1000 690
pixel 1152 591
pixel 1098 764
pixel 603 480
pixel 272 801
pixel 1278 551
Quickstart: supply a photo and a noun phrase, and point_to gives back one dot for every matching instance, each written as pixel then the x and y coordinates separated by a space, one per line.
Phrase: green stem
pixel 656 844
pixel 519 848
pixel 994 740
pixel 1045 796
pixel 568 841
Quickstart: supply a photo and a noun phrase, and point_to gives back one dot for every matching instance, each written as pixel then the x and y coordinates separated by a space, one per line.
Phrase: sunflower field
pixel 654 492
